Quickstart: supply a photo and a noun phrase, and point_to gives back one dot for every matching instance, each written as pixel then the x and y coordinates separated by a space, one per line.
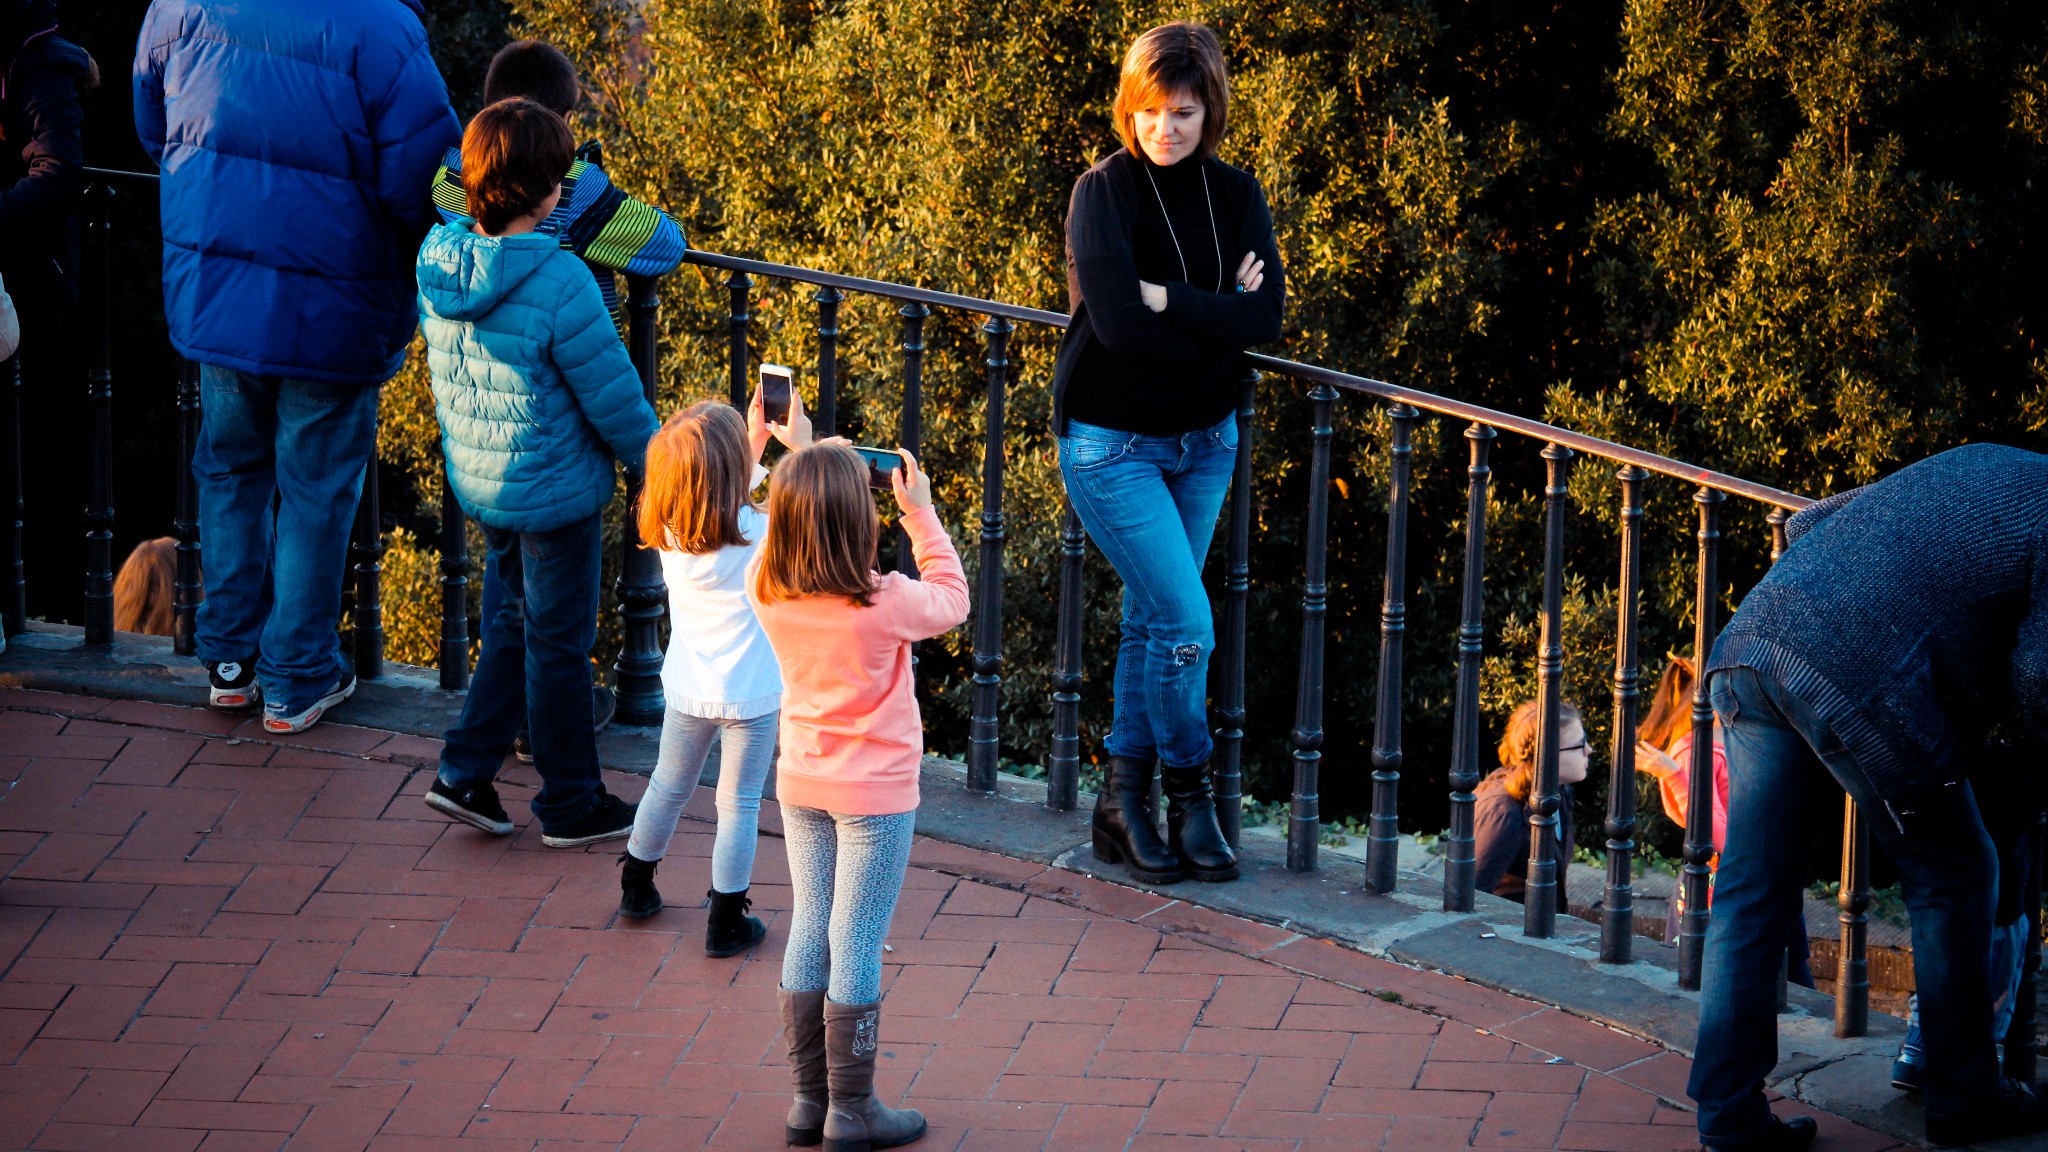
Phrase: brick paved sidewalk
pixel 213 941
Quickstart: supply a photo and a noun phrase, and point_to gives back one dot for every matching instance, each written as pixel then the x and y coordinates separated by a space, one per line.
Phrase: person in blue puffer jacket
pixel 536 396
pixel 296 140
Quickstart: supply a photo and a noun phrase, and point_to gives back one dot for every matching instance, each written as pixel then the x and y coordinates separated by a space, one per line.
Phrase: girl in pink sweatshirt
pixel 852 741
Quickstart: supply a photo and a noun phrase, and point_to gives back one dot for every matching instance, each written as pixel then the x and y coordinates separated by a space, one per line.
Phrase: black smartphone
pixel 775 387
pixel 880 462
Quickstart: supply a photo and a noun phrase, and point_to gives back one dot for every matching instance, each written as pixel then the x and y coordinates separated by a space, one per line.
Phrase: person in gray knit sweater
pixel 1905 621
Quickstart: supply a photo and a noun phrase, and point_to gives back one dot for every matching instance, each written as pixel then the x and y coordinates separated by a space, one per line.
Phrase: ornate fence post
pixel 910 430
pixel 739 284
pixel 1618 910
pixel 189 588
pixel 1304 823
pixel 1543 897
pixel 1063 761
pixel 1699 816
pixel 1852 965
pixel 99 390
pixel 1383 835
pixel 1458 862
pixel 637 673
pixel 454 589
pixel 1228 774
pixel 13 580
pixel 826 419
pixel 984 749
pixel 367 554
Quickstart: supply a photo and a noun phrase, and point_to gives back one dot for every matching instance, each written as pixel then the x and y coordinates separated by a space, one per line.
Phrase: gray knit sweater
pixel 1912 614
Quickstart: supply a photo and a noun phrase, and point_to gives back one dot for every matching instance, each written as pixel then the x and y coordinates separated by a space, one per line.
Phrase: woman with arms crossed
pixel 1173 273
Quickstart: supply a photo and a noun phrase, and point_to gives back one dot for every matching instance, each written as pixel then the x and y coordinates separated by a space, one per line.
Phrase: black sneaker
pixel 1782 1136
pixel 1905 1076
pixel 603 706
pixel 476 805
pixel 611 819
pixel 231 685
pixel 2018 1110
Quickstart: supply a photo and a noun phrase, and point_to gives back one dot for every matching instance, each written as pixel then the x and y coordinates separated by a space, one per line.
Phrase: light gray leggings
pixel 746 752
pixel 846 872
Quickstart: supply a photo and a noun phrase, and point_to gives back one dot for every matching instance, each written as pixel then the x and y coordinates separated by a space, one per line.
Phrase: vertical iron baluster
pixel 1618 909
pixel 1542 896
pixel 1228 774
pixel 642 603
pixel 910 430
pixel 13 580
pixel 1699 817
pixel 825 421
pixel 1777 520
pixel 189 587
pixel 1383 831
pixel 2022 1036
pixel 1063 762
pixel 454 589
pixel 1458 861
pixel 367 552
pixel 739 283
pixel 984 750
pixel 1852 965
pixel 1304 823
pixel 99 390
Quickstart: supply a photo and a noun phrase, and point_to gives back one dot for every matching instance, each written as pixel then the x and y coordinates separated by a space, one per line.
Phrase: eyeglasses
pixel 1581 746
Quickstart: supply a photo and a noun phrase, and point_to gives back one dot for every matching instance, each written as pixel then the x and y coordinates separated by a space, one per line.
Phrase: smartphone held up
pixel 880 462
pixel 776 387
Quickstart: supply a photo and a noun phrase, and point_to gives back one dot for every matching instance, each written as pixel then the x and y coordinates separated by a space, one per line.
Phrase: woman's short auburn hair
pixel 1183 57
pixel 1518 744
pixel 822 529
pixel 514 154
pixel 697 481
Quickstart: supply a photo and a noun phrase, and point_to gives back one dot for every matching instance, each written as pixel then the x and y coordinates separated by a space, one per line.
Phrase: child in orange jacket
pixel 852 740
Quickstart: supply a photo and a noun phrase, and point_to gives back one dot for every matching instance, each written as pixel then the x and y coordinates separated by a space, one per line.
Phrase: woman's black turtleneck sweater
pixel 1124 366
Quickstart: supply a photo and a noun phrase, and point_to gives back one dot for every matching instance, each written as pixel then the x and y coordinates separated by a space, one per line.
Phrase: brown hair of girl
pixel 143 592
pixel 823 529
pixel 1166 60
pixel 697 481
pixel 1671 708
pixel 1518 744
pixel 514 154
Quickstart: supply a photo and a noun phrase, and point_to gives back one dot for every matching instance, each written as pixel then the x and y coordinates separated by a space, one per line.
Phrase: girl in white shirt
pixel 719 675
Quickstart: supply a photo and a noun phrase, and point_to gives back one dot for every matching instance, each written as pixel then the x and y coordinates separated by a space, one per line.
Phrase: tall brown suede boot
pixel 855 1121
pixel 803 1026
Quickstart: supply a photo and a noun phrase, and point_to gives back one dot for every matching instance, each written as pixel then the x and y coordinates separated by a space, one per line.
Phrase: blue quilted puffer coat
pixel 531 384
pixel 298 140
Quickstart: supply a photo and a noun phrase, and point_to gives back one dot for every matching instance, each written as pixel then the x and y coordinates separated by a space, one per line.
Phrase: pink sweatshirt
pixel 852 738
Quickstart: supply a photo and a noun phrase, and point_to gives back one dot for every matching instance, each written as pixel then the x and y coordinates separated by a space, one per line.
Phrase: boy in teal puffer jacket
pixel 535 396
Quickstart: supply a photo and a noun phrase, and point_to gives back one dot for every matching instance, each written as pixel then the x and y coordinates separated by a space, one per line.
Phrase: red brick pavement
pixel 212 941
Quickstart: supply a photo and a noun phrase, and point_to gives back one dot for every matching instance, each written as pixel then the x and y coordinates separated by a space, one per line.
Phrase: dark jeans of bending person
pixel 1784 770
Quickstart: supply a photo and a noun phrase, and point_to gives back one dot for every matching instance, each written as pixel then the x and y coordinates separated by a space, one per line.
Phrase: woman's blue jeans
pixel 536 648
pixel 1785 772
pixel 1150 504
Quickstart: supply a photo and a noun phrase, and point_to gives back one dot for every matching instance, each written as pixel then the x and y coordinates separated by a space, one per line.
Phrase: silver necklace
pixel 1214 236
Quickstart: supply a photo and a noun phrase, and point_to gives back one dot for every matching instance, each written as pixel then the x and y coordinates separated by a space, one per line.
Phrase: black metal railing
pixel 641 603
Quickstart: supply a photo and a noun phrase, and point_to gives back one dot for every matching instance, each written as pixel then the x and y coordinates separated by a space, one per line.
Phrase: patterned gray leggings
pixel 846 872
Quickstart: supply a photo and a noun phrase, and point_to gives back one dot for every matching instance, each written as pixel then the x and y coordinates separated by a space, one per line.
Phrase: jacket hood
pixel 463 275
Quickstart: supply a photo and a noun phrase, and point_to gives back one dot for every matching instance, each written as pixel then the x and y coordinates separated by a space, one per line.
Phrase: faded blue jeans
pixel 1784 768
pixel 746 751
pixel 1150 504
pixel 279 467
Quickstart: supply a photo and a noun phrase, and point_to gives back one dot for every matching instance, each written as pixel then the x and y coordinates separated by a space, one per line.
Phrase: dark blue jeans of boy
pixel 1150 504
pixel 536 647
pixel 1785 770
pixel 279 467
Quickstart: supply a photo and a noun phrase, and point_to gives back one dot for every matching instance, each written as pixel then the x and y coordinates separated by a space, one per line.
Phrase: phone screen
pixel 880 462
pixel 775 386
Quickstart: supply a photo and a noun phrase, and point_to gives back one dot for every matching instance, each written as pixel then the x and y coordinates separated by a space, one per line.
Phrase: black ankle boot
pixel 638 898
pixel 1123 828
pixel 730 931
pixel 1191 828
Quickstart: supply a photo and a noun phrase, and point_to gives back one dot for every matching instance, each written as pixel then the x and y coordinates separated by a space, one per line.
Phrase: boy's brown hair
pixel 533 70
pixel 1174 58
pixel 514 155
pixel 1518 744
pixel 822 529
pixel 697 480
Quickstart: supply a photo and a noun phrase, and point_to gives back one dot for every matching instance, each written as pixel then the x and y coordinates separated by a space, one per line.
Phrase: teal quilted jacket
pixel 533 390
